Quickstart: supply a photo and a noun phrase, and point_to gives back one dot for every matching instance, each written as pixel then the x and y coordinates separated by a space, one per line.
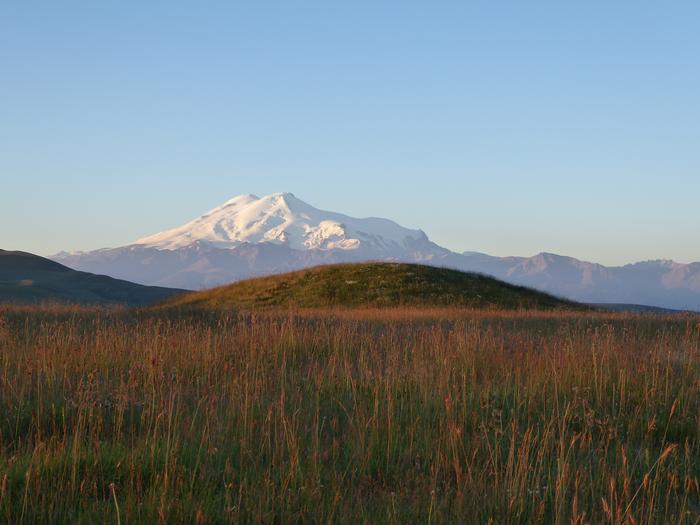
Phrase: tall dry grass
pixel 349 417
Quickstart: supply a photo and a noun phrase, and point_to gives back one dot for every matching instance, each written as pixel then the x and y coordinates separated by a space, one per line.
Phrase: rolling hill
pixel 28 278
pixel 375 284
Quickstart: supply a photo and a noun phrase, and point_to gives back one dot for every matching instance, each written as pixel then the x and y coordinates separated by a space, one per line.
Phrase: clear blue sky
pixel 504 127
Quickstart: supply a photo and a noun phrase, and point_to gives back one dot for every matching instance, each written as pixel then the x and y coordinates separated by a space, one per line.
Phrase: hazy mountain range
pixel 250 236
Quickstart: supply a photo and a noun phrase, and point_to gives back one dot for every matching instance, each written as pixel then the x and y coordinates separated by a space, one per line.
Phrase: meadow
pixel 348 416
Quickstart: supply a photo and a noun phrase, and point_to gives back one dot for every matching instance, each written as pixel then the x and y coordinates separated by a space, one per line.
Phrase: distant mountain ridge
pixel 660 283
pixel 249 236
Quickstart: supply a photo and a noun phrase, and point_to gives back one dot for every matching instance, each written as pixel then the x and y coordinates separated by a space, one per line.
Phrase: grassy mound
pixel 371 285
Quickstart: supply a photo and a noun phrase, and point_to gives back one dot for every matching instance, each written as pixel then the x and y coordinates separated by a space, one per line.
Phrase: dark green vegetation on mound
pixel 371 284
pixel 28 278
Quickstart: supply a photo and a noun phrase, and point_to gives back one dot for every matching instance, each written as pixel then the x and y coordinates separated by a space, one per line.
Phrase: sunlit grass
pixel 349 416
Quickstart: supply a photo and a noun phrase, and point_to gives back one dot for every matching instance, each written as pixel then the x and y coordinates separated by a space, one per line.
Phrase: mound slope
pixel 371 285
pixel 28 278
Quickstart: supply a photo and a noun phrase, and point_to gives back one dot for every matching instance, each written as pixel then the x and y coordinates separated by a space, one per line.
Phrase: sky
pixel 509 128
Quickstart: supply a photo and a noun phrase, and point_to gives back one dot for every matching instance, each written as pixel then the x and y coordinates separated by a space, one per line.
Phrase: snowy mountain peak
pixel 282 218
pixel 241 199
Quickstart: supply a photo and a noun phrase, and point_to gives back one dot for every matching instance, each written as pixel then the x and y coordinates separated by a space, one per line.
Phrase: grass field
pixel 348 416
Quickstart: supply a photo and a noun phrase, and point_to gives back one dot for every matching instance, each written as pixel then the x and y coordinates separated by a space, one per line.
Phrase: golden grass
pixel 349 416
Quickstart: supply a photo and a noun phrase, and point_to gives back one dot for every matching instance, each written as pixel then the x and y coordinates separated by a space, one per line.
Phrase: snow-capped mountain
pixel 249 236
pixel 283 219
